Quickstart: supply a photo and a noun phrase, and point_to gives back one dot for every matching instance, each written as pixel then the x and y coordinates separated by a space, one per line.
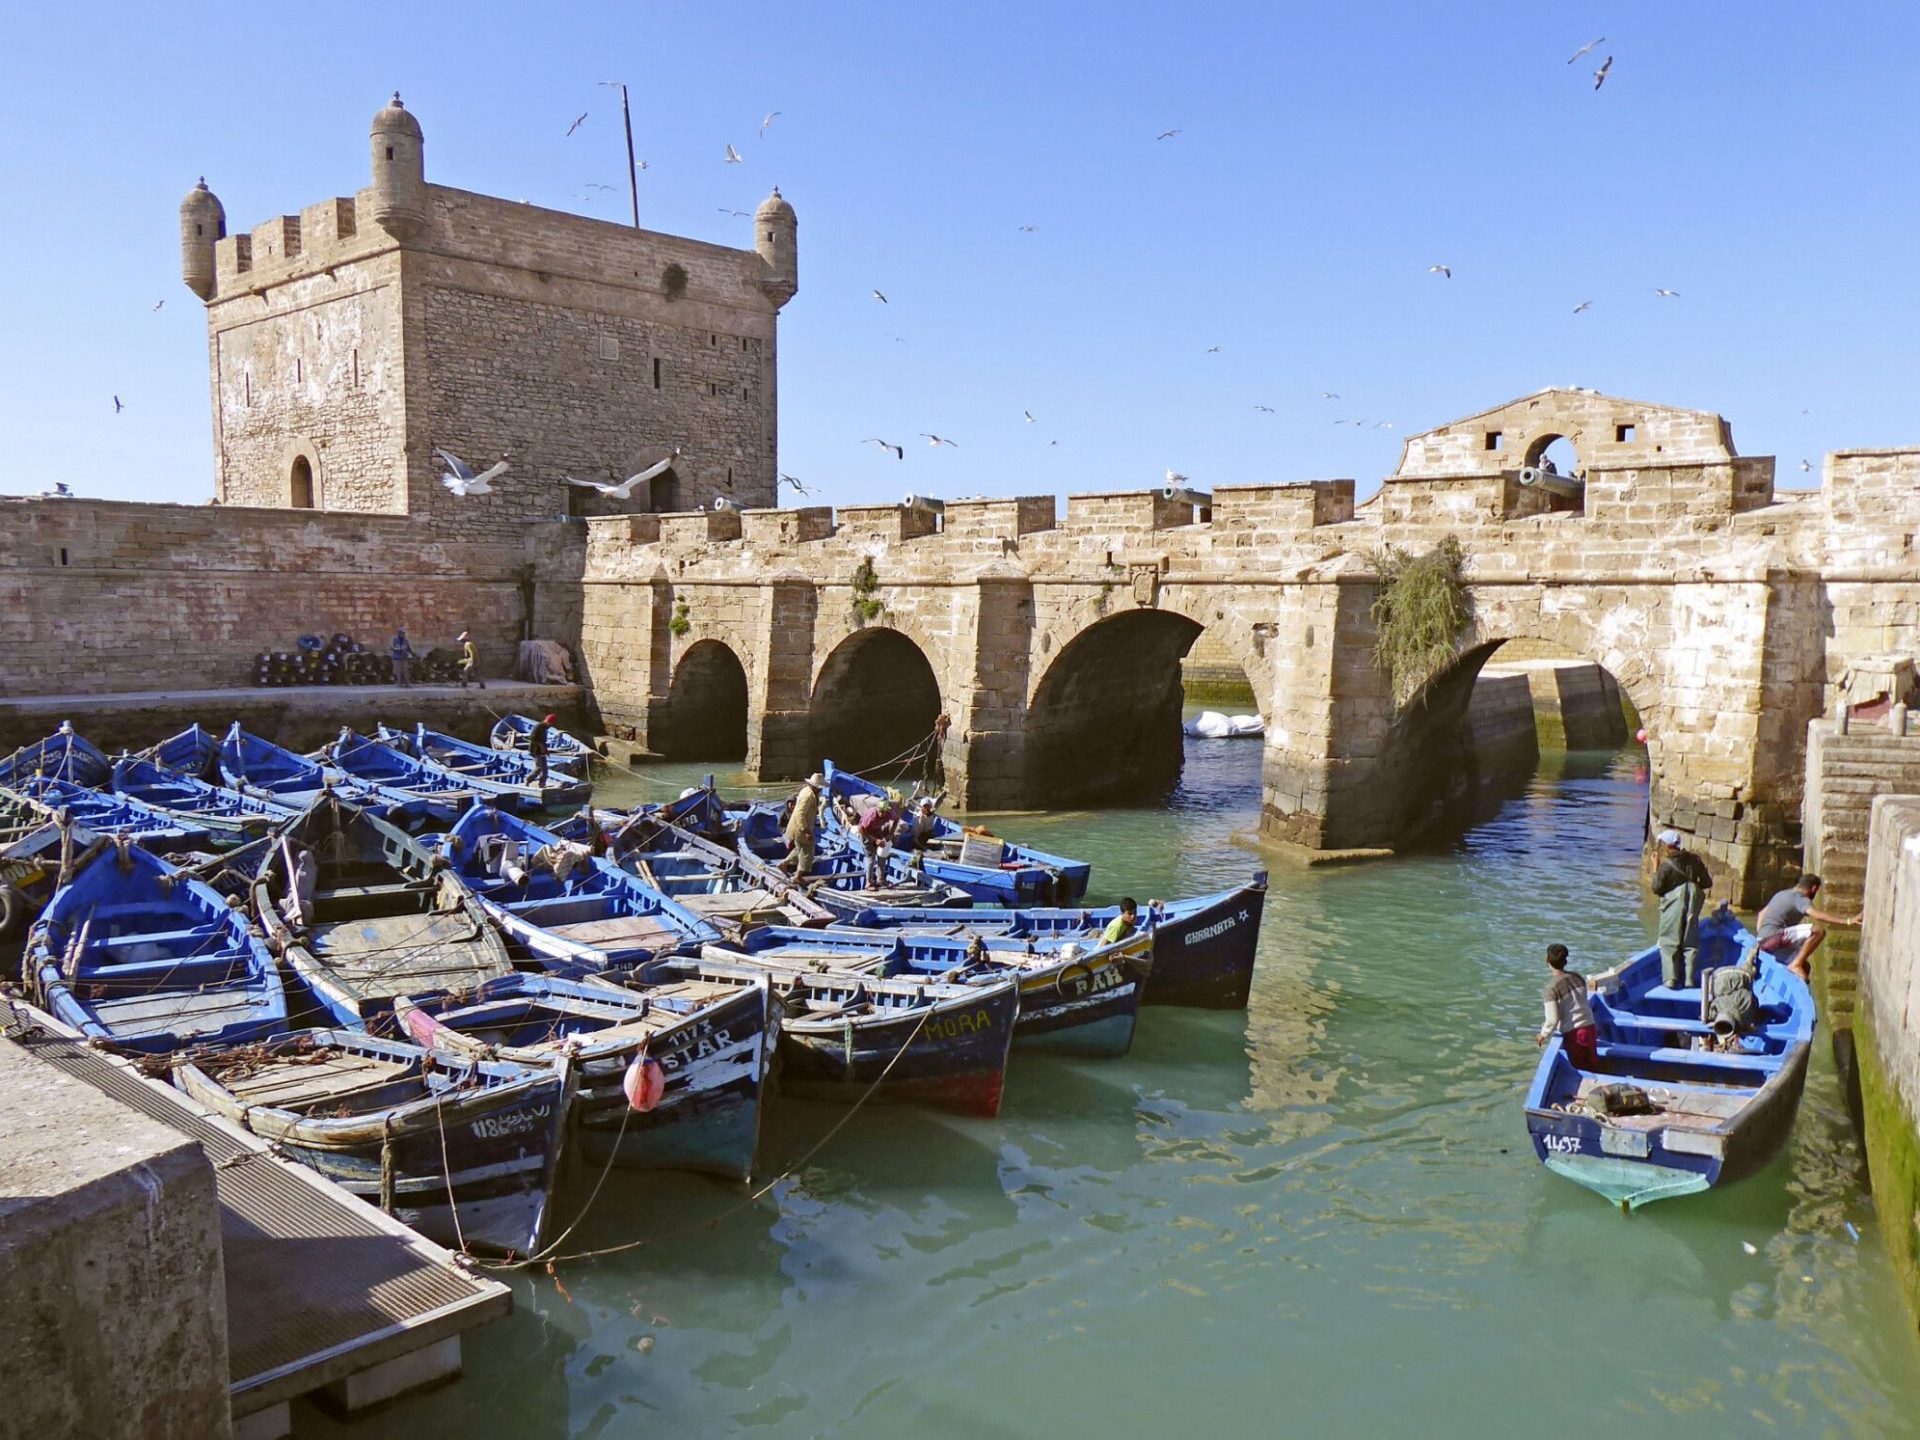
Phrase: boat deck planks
pixel 619 929
pixel 411 954
pixel 319 1285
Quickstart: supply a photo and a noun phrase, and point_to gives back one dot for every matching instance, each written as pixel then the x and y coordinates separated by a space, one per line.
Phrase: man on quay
pixel 1789 925
pixel 401 654
pixel 469 662
pixel 1681 882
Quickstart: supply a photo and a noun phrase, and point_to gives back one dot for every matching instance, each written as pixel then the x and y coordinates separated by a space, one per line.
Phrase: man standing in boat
pixel 800 825
pixel 1787 925
pixel 537 750
pixel 1568 1014
pixel 1681 882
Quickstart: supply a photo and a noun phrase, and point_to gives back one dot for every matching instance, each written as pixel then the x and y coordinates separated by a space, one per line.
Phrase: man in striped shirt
pixel 1568 1014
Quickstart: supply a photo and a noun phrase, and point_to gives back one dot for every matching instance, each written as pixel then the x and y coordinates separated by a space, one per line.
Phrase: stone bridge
pixel 1728 614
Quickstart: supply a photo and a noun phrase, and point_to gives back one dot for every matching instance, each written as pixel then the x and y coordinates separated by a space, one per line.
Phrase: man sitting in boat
pixel 804 816
pixel 1681 882
pixel 1568 1014
pixel 1788 925
pixel 921 824
pixel 1124 924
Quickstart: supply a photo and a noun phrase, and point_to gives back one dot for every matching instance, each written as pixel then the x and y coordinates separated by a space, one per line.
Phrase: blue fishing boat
pixel 363 913
pixel 713 1044
pixel 255 766
pixel 1689 1092
pixel 845 1036
pixel 461 1148
pixel 985 866
pixel 503 776
pixel 392 772
pixel 33 851
pixel 63 755
pixel 133 953
pixel 568 908
pixel 1203 947
pixel 104 814
pixel 1077 995
pixel 837 877
pixel 228 816
pixel 510 732
pixel 195 751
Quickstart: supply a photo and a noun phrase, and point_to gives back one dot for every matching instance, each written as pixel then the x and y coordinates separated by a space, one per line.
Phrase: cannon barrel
pixel 929 503
pixel 1181 495
pixel 721 502
pixel 1566 487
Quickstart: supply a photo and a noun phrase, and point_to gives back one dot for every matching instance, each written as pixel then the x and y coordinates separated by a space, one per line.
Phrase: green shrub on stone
pixel 1419 613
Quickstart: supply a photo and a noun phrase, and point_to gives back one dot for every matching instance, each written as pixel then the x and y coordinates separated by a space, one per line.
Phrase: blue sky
pixel 1757 159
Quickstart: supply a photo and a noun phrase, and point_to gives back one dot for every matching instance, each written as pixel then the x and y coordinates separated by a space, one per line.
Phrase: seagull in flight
pixel 1600 75
pixel 794 485
pixel 63 491
pixel 1174 477
pixel 158 304
pixel 1805 466
pixel 1584 305
pixel 772 115
pixel 117 407
pixel 725 211
pixel 1668 294
pixel 1029 415
pixel 734 157
pixel 461 480
pixel 1446 270
pixel 576 124
pixel 881 298
pixel 899 452
pixel 625 488
pixel 1213 349
pixel 1264 409
pixel 1586 49
pixel 1166 134
pixel 591 185
pixel 933 439
pixel 1028 229
pixel 1328 395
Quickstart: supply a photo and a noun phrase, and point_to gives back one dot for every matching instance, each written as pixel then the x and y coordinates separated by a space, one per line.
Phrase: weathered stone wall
pixel 115 1323
pixel 105 596
pixel 1886 1036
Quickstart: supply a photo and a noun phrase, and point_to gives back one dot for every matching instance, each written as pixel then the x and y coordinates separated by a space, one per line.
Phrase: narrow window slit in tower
pixel 656 372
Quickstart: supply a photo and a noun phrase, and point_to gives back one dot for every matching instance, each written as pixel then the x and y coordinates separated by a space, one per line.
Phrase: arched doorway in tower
pixel 706 706
pixel 1105 722
pixel 875 702
pixel 300 483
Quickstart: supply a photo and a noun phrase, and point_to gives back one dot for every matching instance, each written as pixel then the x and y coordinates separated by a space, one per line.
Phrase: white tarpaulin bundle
pixel 1212 725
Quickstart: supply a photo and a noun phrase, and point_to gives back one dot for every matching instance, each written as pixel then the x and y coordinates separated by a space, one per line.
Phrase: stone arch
pixel 1104 717
pixel 706 709
pixel 876 697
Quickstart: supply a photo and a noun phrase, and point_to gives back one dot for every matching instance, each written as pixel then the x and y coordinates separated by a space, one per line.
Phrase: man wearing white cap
pixel 800 824
pixel 1681 882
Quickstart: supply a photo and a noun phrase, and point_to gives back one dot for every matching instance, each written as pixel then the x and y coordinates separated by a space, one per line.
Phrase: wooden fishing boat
pixel 713 1043
pixel 837 877
pixel 927 1042
pixel 135 954
pixel 731 889
pixel 34 849
pixel 1077 995
pixel 102 813
pixel 503 777
pixel 255 766
pixel 228 816
pixel 461 1148
pixel 195 751
pixel 1203 947
pixel 1676 1104
pixel 363 914
pixel 63 755
pixel 510 732
pixel 985 866
pixel 565 907
pixel 394 772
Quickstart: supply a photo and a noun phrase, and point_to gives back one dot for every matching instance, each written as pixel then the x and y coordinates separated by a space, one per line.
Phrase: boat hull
pixel 956 1060
pixel 1206 959
pixel 1085 1010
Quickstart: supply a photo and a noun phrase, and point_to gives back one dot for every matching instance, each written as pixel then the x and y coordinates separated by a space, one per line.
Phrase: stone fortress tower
pixel 349 341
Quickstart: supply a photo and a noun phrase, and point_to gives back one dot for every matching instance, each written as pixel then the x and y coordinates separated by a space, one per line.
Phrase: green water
pixel 1319 1217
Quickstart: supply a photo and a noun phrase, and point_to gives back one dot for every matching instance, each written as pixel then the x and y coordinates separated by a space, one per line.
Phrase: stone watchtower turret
pixel 399 172
pixel 352 341
pixel 203 223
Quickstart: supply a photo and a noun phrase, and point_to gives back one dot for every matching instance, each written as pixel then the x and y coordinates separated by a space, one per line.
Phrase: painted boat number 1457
pixel 1563 1144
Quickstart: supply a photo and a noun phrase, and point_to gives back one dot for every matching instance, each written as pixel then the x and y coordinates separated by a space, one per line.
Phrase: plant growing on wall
pixel 1103 598
pixel 867 605
pixel 680 624
pixel 1419 613
pixel 673 280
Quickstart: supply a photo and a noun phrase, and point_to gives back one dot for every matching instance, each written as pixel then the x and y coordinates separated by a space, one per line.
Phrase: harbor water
pixel 1318 1217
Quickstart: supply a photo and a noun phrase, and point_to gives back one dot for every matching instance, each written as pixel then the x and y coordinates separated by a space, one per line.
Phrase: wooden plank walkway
pixel 320 1286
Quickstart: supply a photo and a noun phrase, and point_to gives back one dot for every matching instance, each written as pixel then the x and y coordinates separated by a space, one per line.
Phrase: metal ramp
pixel 323 1290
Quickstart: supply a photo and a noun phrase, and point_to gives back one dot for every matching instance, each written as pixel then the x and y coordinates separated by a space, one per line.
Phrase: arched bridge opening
pixel 1507 710
pixel 875 704
pixel 706 706
pixel 1105 722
